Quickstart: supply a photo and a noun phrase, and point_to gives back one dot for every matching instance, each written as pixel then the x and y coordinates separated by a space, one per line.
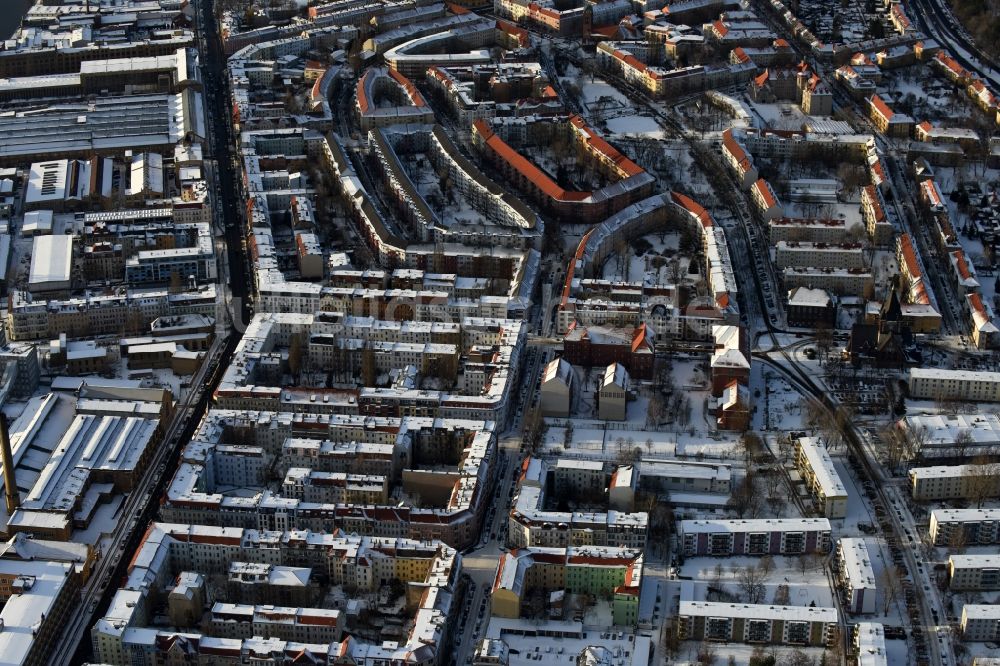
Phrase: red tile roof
pixel 411 90
pixel 961 265
pixel 627 166
pixel 909 255
pixel 734 148
pixel 524 166
pixel 872 196
pixel 930 193
pixel 976 303
pixel 763 190
pixel 881 108
pixel 694 208
pixel 514 31
pixel 577 257
pixel 639 338
pixel 360 89
pixel 950 64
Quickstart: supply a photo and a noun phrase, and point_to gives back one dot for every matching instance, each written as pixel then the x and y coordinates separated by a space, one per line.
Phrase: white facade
pixel 856 576
pixel 816 466
pixel 939 384
pixel 613 394
pixel 557 388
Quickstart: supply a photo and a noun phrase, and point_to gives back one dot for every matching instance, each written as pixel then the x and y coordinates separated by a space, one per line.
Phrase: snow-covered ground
pixel 656 265
pixel 635 126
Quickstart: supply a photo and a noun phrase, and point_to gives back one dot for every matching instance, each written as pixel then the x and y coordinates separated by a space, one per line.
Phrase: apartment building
pixel 613 393
pixel 806 230
pixel 414 57
pixel 345 456
pixel 303 625
pixel 756 623
pixel 888 121
pixel 603 345
pixel 942 384
pixel 429 571
pixel 582 570
pixel 630 182
pixel 38 599
pixel 869 644
pixel 530 524
pixel 265 583
pixel 974 572
pixel 680 477
pixel 589 302
pixel 730 357
pixel 310 485
pixel 578 477
pixel 810 307
pixel 968 526
pixel 855 576
pixel 738 159
pixel 819 255
pixel 765 201
pixel 945 482
pixel 821 477
pixel 557 389
pixel 760 536
pixel 102 314
pixel 841 281
pixel 980 623
pixel 873 211
pixel 984 331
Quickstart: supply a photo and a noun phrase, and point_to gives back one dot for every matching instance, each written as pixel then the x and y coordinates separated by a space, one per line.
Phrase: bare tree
pixel 745 501
pixel 751 583
pixel 895 445
pixel 655 411
pixel 914 440
pixel 706 654
pixel 963 440
pixel 891 585
pixel 824 340
pixel 623 256
pixel 983 480
pixel 534 430
pixel 752 446
pixel 766 565
pixel 796 658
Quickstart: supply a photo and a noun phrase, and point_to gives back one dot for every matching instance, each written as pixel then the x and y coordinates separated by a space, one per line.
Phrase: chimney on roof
pixel 11 495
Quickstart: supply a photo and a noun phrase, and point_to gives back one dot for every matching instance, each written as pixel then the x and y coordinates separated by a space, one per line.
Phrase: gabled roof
pixel 615 374
pixel 763 189
pixel 880 107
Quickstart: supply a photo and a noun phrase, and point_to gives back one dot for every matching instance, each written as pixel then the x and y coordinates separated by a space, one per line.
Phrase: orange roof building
pixel 385 97
pixel 632 183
